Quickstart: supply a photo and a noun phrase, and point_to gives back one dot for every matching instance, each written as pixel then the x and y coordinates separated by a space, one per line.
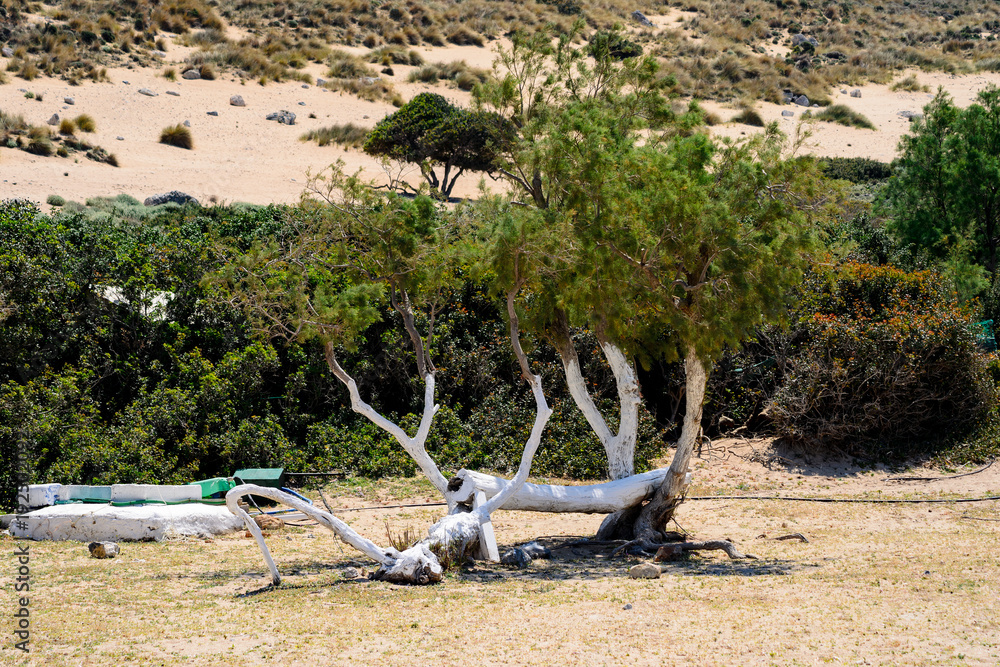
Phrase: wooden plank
pixel 488 549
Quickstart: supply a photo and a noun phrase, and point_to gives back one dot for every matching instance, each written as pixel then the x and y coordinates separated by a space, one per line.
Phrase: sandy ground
pixel 241 156
pixel 879 104
pixel 876 584
pixel 238 155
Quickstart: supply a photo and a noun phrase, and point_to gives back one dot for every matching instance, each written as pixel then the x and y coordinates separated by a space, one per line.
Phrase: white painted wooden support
pixel 488 549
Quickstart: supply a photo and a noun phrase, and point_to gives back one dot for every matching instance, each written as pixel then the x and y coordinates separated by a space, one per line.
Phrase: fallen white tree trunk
pixel 591 499
pixel 416 565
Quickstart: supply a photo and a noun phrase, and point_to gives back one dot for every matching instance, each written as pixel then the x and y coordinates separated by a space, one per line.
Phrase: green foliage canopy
pixel 430 131
pixel 945 195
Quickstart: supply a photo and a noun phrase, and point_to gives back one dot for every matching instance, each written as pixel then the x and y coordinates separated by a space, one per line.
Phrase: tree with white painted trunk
pixel 341 260
pixel 670 246
pixel 548 88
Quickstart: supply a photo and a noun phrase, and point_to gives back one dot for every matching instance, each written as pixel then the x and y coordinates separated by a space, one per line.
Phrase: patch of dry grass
pixel 177 135
pixel 879 584
pixel 463 76
pixel 909 84
pixel 347 136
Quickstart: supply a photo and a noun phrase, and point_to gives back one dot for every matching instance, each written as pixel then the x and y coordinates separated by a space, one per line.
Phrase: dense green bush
pixel 614 44
pixel 856 169
pixel 889 360
pixel 96 390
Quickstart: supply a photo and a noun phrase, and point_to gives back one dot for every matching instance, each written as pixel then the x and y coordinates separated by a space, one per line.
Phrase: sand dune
pixel 241 156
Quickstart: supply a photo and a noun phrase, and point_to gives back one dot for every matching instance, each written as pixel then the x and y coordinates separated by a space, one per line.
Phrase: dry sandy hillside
pixel 876 584
pixel 240 156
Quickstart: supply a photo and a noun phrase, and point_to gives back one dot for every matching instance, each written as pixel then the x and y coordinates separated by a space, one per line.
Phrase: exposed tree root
pixel 677 550
pixel 664 548
pixel 619 525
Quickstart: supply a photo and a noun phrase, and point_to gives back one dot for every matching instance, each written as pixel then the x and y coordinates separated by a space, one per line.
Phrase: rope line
pixel 784 498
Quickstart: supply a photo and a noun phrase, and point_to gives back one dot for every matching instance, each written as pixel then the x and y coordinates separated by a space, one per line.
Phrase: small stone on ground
pixel 644 571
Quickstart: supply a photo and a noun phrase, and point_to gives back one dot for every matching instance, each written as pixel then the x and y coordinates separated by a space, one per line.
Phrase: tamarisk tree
pixel 574 116
pixel 343 256
pixel 669 246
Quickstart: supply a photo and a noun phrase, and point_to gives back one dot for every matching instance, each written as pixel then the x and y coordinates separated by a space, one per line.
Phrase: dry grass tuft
pixel 910 85
pixel 348 136
pixel 85 123
pixel 842 115
pixel 459 72
pixel 177 135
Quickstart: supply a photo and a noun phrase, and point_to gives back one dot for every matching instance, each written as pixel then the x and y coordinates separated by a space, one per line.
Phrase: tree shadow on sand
pixel 580 559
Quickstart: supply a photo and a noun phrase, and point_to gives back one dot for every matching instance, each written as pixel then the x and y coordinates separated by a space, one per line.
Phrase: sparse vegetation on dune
pixel 842 115
pixel 720 49
pixel 350 73
pixel 464 77
pixel 348 136
pixel 395 55
pixel 15 132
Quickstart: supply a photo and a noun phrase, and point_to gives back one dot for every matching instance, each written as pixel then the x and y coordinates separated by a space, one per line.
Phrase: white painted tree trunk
pixel 416 565
pixel 589 499
pixel 457 533
pixel 620 446
pixel 621 449
pixel 657 513
pixel 414 446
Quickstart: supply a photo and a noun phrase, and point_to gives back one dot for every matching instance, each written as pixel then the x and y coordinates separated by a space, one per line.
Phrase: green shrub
pixel 842 115
pixel 855 169
pixel 429 128
pixel 177 135
pixel 67 127
pixel 170 74
pixel 613 44
pixel 888 359
pixel 55 200
pixel 492 439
